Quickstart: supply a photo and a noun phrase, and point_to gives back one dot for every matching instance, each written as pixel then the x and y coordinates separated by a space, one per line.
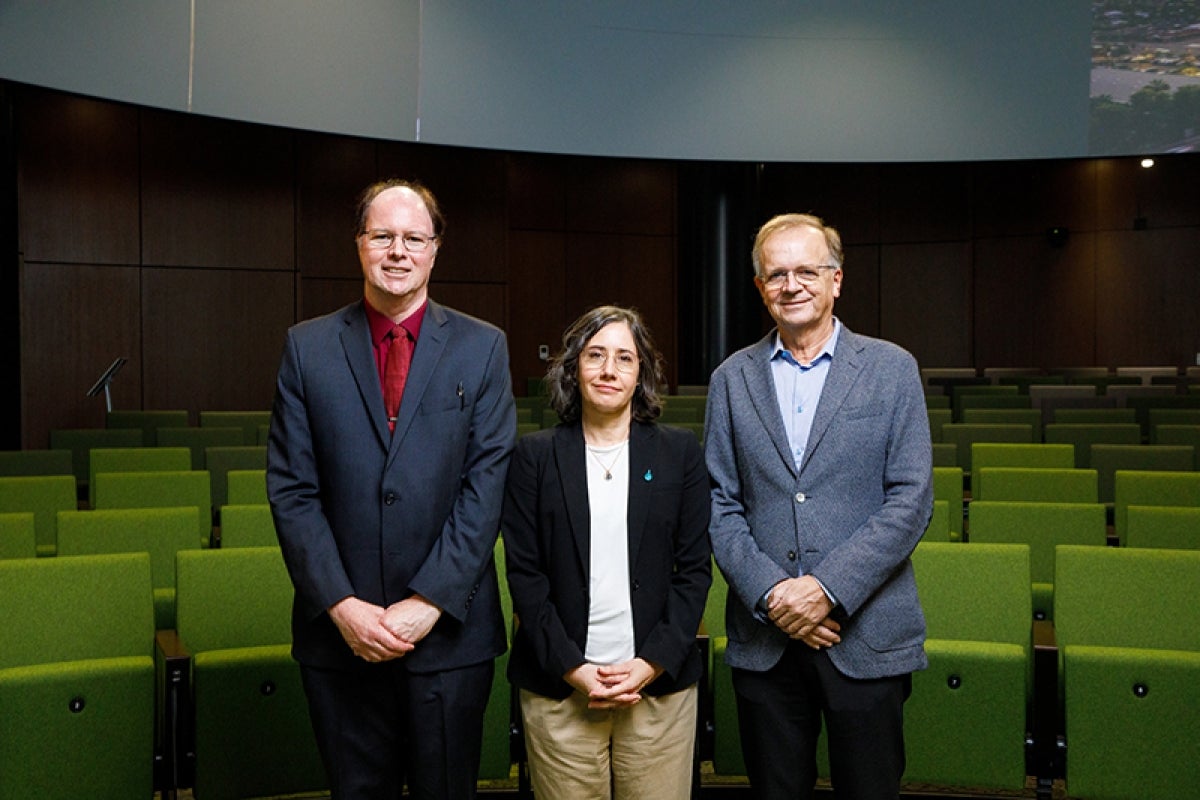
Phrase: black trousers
pixel 380 727
pixel 780 714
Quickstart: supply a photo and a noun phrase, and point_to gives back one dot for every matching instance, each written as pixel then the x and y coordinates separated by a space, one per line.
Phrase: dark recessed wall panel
pixel 331 173
pixel 538 310
pixel 469 185
pixel 846 196
pixel 75 320
pixel 925 301
pixel 1024 198
pixel 487 301
pixel 858 305
pixel 216 193
pixel 1163 196
pixel 1146 290
pixel 224 358
pixel 537 192
pixel 78 179
pixel 1035 302
pixel 924 203
pixel 621 196
pixel 320 296
pixel 627 271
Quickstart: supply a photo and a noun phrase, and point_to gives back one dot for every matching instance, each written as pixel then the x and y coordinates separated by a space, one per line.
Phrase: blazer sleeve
pixel 672 640
pixel 450 575
pixel 307 542
pixel 540 626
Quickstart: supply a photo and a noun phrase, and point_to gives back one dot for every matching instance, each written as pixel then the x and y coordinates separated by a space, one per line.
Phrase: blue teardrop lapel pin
pixel 649 476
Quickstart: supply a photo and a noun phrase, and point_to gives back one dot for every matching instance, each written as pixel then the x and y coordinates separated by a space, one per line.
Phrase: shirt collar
pixel 781 352
pixel 381 326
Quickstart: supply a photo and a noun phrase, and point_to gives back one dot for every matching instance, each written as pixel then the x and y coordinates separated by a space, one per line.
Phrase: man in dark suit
pixel 388 516
pixel 818 445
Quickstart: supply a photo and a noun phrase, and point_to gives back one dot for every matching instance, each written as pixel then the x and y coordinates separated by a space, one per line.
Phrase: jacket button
pixel 800 498
pixel 389 498
pixel 791 555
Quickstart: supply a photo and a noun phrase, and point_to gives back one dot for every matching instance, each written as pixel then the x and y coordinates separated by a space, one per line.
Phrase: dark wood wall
pixel 190 244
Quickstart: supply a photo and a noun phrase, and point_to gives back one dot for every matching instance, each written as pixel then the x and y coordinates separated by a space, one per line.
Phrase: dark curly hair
pixel 562 377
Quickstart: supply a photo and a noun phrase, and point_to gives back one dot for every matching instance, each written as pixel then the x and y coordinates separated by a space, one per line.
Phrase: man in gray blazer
pixel 817 443
pixel 387 515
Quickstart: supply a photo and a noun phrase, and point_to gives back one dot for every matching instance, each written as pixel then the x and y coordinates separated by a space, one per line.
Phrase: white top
pixel 610 614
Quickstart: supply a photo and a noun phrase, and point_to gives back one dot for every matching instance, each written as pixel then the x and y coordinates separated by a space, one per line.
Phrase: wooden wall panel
pixel 225 358
pixel 537 192
pixel 487 301
pixel 925 301
pixel 320 296
pixel 216 193
pixel 331 173
pixel 924 203
pixel 1035 305
pixel 1146 290
pixel 75 320
pixel 858 305
pixel 621 196
pixel 78 180
pixel 538 312
pixel 1022 198
pixel 846 196
pixel 1164 196
pixel 628 271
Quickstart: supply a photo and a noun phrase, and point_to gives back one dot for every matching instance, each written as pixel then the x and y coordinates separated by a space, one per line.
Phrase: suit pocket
pixel 865 410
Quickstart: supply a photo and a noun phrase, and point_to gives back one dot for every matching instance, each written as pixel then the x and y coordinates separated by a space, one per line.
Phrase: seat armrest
pixel 174 745
pixel 1047 764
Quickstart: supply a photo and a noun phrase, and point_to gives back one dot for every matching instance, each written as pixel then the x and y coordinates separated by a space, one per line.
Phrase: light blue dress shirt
pixel 798 390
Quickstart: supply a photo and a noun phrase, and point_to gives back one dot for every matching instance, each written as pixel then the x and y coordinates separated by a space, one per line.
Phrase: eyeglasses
pixel 805 276
pixel 595 359
pixel 379 239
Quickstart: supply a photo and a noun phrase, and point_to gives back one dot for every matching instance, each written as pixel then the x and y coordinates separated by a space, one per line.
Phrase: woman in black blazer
pixel 605 530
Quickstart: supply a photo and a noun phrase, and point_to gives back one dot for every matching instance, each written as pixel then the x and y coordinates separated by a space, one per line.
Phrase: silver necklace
pixel 613 463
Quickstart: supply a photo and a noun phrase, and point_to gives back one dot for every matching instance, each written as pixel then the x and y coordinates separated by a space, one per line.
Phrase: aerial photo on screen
pixel 1145 95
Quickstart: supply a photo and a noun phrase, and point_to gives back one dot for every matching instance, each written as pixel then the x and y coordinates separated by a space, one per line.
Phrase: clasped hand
pixel 377 634
pixel 613 685
pixel 800 608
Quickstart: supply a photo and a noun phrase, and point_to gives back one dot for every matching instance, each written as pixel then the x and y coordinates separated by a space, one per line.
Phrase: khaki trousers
pixel 641 751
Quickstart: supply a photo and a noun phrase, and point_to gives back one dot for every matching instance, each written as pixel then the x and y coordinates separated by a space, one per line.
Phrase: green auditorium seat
pixel 135 459
pixel 1168 527
pixel 1187 435
pixel 1035 485
pixel 197 439
pixel 14 463
pixel 937 418
pixel 148 422
pixel 159 490
pixel 1082 435
pixel 963 435
pixel 159 532
pixel 1022 415
pixel 499 724
pixel 1108 459
pixel 1138 488
pixel 252 735
pixel 948 486
pixel 219 461
pixel 1094 416
pixel 966 721
pixel 44 496
pixel 18 538
pixel 945 454
pixel 248 526
pixel 1040 526
pixel 245 487
pixel 77 678
pixel 1128 632
pixel 248 421
pixel 938 529
pixel 82 441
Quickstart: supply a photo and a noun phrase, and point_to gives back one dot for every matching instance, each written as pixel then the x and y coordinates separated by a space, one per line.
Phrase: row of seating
pixel 1111 685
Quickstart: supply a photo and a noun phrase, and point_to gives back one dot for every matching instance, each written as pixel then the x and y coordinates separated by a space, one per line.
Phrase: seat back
pixel 158 532
pixel 937 418
pixel 196 439
pixel 148 422
pixel 245 487
pixel 1142 488
pixel 17 536
pixel 135 459
pixel 1035 484
pixel 948 486
pixel 999 454
pixel 248 421
pixel 158 490
pixel 82 441
pixel 44 496
pixel 248 526
pixel 1040 526
pixel 1163 527
pixel 1082 435
pixel 963 435
pixel 230 599
pixel 220 460
pixel 1188 435
pixel 35 462
pixel 1095 416
pixel 975 592
pixel 1108 459
pixel 1019 415
pixel 75 609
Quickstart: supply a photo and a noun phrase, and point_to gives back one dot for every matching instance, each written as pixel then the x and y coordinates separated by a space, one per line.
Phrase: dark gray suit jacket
pixel 851 515
pixel 361 511
pixel 547 541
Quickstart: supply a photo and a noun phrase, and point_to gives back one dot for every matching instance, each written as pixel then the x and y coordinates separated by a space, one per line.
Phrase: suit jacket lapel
pixel 570 460
pixel 760 386
pixel 843 372
pixel 430 346
pixel 356 342
pixel 643 456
